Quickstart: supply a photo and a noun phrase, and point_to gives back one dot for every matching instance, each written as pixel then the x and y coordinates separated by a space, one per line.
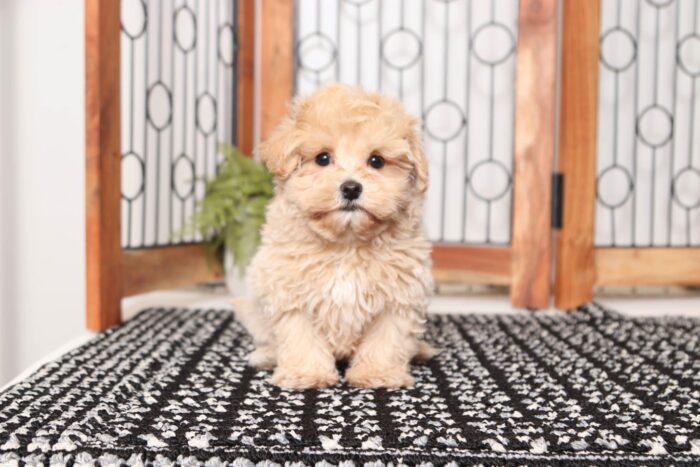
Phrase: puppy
pixel 343 271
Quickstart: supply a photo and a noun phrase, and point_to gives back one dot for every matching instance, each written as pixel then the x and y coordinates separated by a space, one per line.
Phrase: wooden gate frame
pixel 113 273
pixel 525 265
pixel 580 265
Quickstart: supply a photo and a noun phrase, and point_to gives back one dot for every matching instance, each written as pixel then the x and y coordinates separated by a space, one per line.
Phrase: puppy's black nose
pixel 351 190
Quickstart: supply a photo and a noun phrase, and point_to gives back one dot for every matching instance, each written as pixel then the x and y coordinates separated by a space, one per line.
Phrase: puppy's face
pixel 351 162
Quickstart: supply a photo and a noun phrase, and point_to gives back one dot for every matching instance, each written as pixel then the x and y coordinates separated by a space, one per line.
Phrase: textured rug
pixel 171 386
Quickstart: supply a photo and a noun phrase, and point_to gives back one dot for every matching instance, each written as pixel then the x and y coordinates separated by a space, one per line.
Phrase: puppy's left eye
pixel 323 159
pixel 376 161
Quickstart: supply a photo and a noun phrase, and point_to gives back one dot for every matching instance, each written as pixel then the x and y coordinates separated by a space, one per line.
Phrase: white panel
pixel 178 101
pixel 452 63
pixel 648 122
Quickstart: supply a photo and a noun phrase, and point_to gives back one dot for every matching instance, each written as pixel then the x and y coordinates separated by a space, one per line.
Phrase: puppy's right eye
pixel 323 159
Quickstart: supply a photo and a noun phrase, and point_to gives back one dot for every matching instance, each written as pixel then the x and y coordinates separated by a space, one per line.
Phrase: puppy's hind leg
pixel 254 322
pixel 424 351
pixel 263 358
pixel 264 355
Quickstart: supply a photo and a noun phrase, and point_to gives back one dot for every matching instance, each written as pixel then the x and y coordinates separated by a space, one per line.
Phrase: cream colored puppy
pixel 343 271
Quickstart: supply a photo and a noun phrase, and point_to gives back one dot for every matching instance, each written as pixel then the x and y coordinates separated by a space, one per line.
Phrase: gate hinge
pixel 557 200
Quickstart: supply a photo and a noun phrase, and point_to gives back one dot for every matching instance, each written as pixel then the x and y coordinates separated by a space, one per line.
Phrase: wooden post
pixel 102 164
pixel 575 263
pixel 276 62
pixel 534 152
pixel 246 76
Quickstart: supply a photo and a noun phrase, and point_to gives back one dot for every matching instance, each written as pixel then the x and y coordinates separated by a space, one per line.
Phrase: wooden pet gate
pixel 501 87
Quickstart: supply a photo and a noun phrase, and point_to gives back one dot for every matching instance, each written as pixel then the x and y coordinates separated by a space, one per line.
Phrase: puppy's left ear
pixel 278 150
pixel 420 161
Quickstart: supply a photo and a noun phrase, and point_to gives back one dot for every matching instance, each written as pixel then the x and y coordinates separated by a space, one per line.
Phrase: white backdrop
pixel 42 215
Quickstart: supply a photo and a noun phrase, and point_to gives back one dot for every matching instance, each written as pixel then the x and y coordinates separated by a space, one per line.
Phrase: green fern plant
pixel 232 211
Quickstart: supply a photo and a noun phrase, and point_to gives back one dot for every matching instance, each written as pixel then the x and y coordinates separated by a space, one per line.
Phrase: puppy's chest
pixel 348 286
pixel 345 286
pixel 360 284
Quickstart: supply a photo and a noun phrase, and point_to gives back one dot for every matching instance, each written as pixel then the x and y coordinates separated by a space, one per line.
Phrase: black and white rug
pixel 171 387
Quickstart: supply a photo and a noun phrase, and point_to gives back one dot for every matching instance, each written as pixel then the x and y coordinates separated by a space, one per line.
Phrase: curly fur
pixel 329 283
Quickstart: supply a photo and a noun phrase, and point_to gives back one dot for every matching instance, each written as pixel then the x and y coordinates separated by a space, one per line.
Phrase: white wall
pixel 41 179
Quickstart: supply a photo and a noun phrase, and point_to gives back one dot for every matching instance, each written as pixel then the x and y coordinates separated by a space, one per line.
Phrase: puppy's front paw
pixel 370 376
pixel 299 379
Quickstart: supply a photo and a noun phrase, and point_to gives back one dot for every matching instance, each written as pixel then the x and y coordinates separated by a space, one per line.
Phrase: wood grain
pixel 575 252
pixel 534 148
pixel 102 164
pixel 472 264
pixel 651 266
pixel 245 120
pixel 166 268
pixel 276 62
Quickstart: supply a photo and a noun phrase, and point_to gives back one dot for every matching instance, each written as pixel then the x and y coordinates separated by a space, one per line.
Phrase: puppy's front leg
pixel 304 359
pixel 384 354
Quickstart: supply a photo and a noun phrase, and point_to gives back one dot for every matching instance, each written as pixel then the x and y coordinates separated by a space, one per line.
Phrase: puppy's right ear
pixel 419 159
pixel 279 150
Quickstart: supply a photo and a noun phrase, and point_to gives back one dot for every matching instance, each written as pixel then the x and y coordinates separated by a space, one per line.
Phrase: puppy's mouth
pixel 350 207
pixel 353 207
pixel 346 208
